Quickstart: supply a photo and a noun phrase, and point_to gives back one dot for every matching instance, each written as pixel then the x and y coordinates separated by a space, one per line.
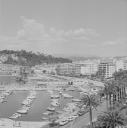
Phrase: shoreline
pixel 8 123
pixel 29 87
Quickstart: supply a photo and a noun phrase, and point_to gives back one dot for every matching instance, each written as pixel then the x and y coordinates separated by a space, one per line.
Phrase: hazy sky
pixel 65 27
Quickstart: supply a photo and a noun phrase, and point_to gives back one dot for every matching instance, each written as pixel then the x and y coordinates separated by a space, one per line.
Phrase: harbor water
pixel 37 108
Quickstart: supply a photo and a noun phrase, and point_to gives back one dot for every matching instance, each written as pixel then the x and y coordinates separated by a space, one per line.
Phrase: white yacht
pixel 76 100
pixel 44 118
pixel 46 113
pixel 55 96
pixel 55 102
pixel 24 110
pixel 67 95
pixel 15 115
pixel 51 109
pixel 27 102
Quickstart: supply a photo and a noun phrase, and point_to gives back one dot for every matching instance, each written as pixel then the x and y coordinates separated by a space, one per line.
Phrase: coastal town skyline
pixel 67 28
pixel 63 64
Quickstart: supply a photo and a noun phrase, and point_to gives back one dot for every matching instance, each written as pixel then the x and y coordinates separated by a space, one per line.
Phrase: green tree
pixel 110 91
pixel 101 94
pixel 89 102
pixel 111 119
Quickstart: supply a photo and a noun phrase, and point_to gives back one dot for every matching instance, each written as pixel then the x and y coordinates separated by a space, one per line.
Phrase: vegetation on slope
pixel 23 57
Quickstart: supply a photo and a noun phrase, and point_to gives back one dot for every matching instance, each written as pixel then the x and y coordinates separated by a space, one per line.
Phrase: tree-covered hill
pixel 23 57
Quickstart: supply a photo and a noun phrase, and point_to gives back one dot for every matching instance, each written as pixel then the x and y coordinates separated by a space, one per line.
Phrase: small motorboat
pixel 51 109
pixel 44 118
pixel 67 96
pixel 15 115
pixel 76 100
pixel 47 113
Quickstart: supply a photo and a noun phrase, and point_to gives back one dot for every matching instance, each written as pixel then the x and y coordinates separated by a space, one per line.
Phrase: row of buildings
pixel 10 69
pixel 106 69
pixel 103 68
pixel 77 69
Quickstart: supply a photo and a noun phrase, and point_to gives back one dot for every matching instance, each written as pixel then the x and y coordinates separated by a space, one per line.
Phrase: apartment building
pixel 106 69
pixel 69 69
pixel 121 64
pixel 88 67
pixel 125 65
pixel 45 68
pixel 9 69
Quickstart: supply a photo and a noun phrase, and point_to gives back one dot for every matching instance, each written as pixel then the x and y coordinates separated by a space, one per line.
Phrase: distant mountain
pixel 23 57
pixel 88 56
pixel 81 58
pixel 119 57
pixel 78 57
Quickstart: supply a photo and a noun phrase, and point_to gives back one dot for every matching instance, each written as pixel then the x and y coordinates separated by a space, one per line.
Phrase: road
pixel 82 121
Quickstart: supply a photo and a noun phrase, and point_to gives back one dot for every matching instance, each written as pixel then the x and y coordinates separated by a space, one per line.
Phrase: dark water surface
pixel 38 107
pixel 13 103
pixel 6 79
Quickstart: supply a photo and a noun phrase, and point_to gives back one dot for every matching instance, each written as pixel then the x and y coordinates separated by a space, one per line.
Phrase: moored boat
pixel 46 113
pixel 15 115
pixel 76 100
pixel 51 109
pixel 44 118
pixel 53 96
pixel 67 96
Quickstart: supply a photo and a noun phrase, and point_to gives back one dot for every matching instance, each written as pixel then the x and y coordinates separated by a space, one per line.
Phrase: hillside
pixel 83 58
pixel 23 57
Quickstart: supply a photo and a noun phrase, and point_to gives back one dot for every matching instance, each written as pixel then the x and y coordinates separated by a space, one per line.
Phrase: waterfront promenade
pixel 7 123
pixel 77 123
pixel 82 121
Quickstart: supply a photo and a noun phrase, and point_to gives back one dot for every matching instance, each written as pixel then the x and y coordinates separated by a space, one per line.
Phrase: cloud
pixel 7 38
pixel 85 32
pixel 34 35
pixel 110 43
pixel 33 30
pixel 80 33
pixel 119 41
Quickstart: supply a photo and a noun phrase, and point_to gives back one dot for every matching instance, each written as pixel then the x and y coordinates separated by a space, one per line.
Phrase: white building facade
pixel 69 69
pixel 106 69
pixel 88 67
pixel 121 65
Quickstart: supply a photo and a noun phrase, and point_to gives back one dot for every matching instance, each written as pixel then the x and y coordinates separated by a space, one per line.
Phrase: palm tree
pixel 121 76
pixel 111 119
pixel 119 91
pixel 123 84
pixel 101 94
pixel 112 91
pixel 89 102
pixel 116 93
pixel 109 90
pixel 106 93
